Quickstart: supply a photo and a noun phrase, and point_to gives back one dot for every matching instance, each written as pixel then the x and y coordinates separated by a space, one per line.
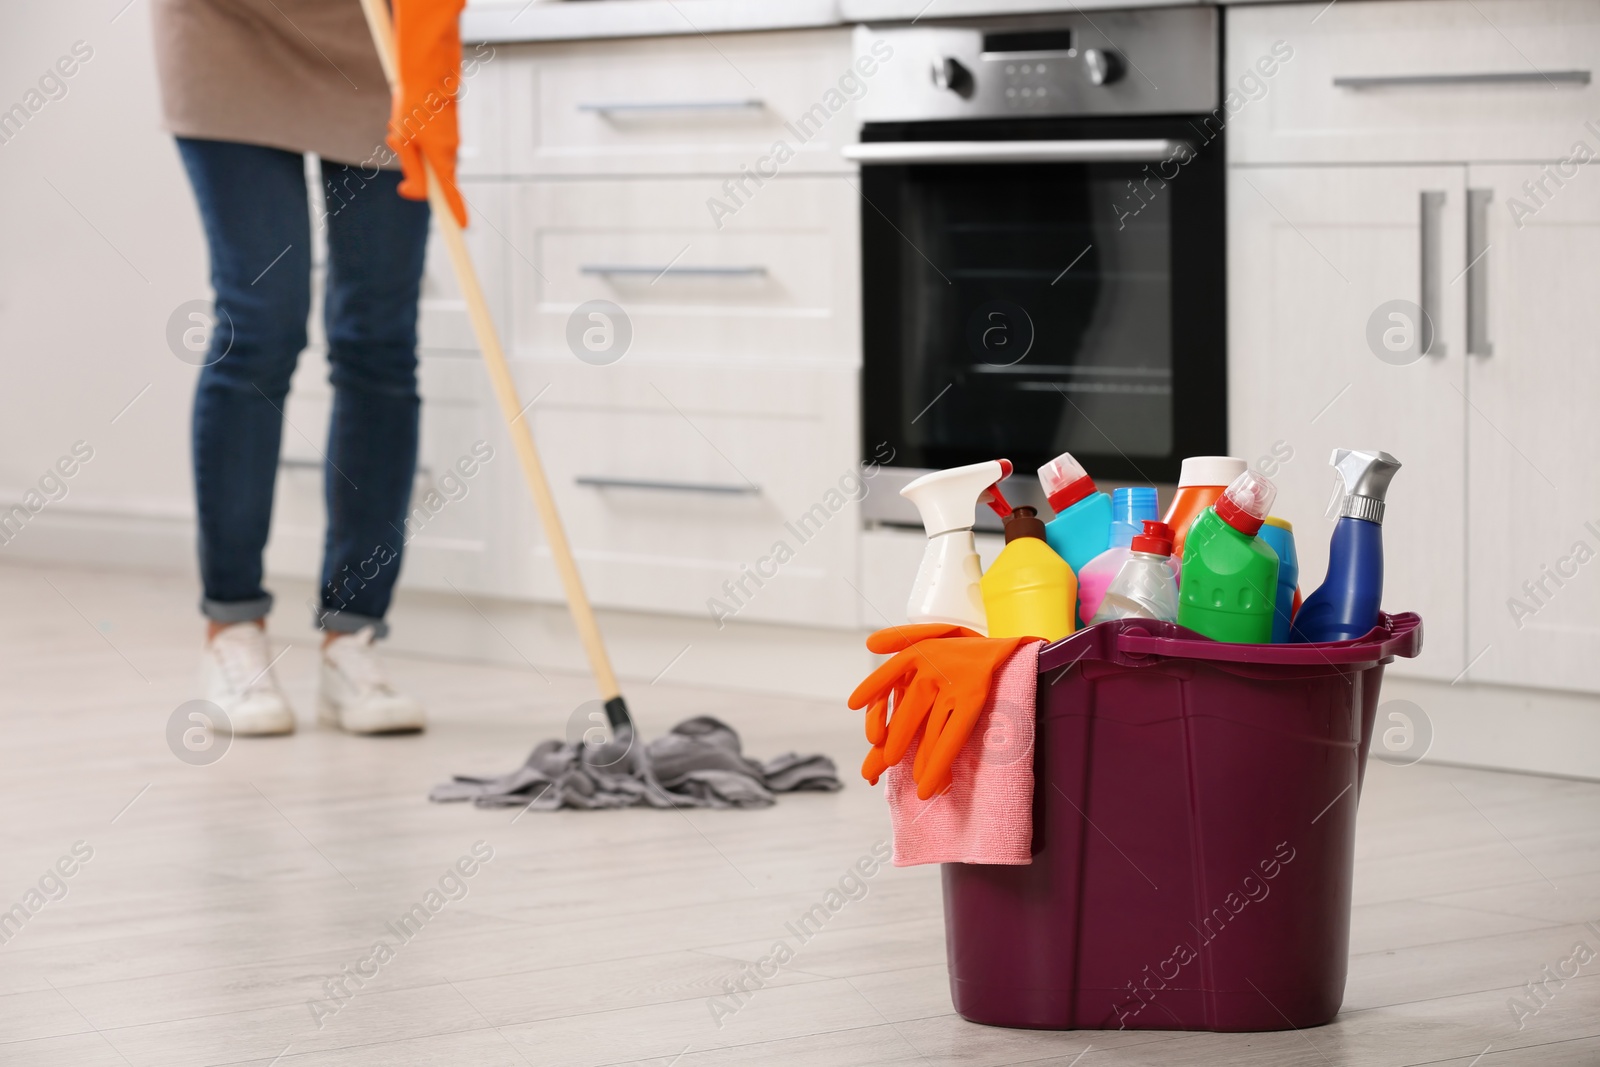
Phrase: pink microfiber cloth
pixel 986 816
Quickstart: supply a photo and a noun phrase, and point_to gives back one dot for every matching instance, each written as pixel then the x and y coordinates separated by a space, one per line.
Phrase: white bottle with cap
pixel 946 589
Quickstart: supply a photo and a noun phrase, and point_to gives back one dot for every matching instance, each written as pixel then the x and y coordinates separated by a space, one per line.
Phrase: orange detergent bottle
pixel 1201 481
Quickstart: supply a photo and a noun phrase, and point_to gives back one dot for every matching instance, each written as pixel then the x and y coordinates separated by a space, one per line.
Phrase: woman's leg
pixel 253 207
pixel 376 242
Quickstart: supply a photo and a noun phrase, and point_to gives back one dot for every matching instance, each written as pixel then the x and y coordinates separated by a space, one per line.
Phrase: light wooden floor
pixel 218 899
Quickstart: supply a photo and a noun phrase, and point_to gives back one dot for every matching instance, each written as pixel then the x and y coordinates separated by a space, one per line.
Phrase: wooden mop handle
pixel 505 388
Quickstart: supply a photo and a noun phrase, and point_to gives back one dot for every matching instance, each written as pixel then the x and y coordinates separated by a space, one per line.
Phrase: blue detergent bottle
pixel 1345 606
pixel 1081 529
pixel 1279 534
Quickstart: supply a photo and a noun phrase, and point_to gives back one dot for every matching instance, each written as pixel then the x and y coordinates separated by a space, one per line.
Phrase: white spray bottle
pixel 946 589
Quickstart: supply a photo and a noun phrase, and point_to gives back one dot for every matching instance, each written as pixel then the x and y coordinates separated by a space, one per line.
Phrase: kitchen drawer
pixel 1514 83
pixel 481 110
pixel 779 279
pixel 679 104
pixel 674 480
pixel 456 527
pixel 442 323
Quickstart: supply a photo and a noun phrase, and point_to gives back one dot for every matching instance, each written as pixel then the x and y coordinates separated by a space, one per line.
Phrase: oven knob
pixel 948 73
pixel 1104 67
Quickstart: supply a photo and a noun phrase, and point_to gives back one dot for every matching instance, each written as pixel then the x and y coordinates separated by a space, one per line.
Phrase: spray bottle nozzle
pixel 1364 482
pixel 946 498
pixel 997 500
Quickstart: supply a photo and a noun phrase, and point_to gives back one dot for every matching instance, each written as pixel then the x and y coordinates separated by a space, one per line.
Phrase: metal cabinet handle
pixel 595 481
pixel 1130 151
pixel 603 269
pixel 1478 272
pixel 293 463
pixel 1432 289
pixel 657 106
pixel 1519 77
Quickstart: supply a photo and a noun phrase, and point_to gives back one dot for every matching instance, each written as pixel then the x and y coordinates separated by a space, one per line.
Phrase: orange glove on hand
pixel 938 683
pixel 422 119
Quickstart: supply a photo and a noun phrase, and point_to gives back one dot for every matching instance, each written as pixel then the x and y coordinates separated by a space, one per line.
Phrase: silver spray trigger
pixel 1364 479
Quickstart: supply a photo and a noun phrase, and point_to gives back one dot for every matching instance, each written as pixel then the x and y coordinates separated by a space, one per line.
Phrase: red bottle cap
pixel 1156 539
pixel 1065 482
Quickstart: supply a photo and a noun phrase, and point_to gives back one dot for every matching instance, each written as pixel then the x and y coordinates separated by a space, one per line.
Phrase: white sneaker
pixel 239 680
pixel 356 697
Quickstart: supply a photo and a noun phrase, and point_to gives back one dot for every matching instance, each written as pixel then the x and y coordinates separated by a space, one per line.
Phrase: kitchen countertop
pixel 567 20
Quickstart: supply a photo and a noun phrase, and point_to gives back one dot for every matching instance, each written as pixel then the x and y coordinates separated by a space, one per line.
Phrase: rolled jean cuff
pixel 231 611
pixel 348 622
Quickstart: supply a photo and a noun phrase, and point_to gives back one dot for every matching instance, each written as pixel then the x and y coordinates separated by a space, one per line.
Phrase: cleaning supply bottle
pixel 1145 588
pixel 1345 606
pixel 1029 591
pixel 1279 533
pixel 1230 576
pixel 946 587
pixel 1081 529
pixel 1131 508
pixel 1201 481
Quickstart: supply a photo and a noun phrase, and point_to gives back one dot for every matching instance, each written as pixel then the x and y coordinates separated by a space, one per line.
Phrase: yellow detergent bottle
pixel 1029 591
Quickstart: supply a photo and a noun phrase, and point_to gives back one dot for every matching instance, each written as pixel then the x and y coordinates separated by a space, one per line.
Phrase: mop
pixel 700 762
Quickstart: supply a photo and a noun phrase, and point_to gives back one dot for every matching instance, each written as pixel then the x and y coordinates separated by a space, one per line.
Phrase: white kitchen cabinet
pixel 734 411
pixel 1493 524
pixel 778 280
pixel 1533 382
pixel 1314 253
pixel 674 478
pixel 681 104
pixel 1414 80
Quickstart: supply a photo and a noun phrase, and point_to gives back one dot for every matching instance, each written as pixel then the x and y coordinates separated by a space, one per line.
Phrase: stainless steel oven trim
pixel 1150 150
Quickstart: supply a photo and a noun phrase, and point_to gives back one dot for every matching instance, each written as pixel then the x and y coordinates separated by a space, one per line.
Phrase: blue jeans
pixel 253 205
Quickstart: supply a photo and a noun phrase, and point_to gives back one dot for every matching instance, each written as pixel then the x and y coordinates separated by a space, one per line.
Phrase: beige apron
pixel 300 75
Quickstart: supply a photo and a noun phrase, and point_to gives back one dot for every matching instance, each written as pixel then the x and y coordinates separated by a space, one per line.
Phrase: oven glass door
pixel 1023 309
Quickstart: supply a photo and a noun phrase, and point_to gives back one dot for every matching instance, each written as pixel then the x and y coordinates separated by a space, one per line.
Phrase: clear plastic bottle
pixel 1145 587
pixel 1131 507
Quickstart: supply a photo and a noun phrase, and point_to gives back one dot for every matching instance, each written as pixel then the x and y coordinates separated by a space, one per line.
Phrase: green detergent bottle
pixel 1230 576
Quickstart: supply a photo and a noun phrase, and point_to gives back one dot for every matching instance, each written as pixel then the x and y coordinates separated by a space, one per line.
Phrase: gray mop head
pixel 698 764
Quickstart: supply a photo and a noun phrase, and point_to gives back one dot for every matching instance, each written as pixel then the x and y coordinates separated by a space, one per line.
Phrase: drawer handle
pixel 295 464
pixel 603 269
pixel 673 105
pixel 597 482
pixel 1385 81
pixel 1151 150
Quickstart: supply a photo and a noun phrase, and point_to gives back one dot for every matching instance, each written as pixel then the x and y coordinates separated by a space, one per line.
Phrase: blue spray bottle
pixel 1346 605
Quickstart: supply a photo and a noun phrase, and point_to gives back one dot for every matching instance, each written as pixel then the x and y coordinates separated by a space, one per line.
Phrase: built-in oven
pixel 1043 244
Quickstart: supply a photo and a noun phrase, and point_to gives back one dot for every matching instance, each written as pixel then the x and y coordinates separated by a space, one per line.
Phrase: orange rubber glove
pixel 422 118
pixel 938 683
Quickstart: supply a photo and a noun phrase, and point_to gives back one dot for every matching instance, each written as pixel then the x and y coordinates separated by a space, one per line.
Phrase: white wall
pixel 102 242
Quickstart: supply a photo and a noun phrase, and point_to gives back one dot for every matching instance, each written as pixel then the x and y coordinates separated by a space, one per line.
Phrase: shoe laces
pixel 241 652
pixel 353 657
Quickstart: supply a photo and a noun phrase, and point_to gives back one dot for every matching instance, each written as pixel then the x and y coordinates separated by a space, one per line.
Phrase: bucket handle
pixel 1395 635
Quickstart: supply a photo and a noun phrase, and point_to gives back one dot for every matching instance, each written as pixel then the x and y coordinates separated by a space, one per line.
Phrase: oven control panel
pixel 1041 65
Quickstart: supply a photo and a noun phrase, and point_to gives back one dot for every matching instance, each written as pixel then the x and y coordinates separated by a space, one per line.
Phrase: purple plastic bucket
pixel 1194 836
